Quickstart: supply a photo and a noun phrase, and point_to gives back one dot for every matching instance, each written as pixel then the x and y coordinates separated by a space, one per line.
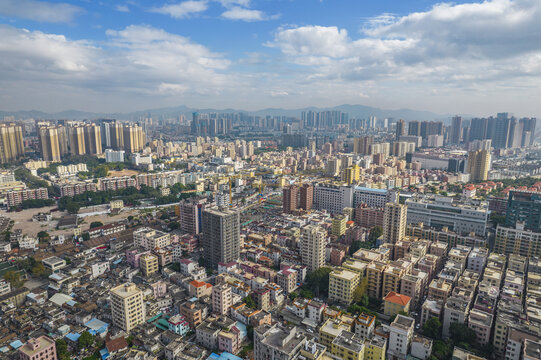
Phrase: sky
pixel 461 57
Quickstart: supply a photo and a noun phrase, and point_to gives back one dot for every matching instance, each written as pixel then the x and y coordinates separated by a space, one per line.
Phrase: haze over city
pixel 461 57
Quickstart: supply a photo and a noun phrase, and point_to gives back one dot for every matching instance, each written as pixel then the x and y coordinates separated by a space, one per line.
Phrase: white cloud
pixel 34 53
pixel 228 3
pixel 40 10
pixel 122 8
pixel 449 44
pixel 183 9
pixel 239 13
pixel 135 61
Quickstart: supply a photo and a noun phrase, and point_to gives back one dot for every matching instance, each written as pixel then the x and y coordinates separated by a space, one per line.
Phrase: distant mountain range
pixel 354 111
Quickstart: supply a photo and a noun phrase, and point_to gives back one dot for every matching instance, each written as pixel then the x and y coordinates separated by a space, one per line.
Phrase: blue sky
pixel 462 57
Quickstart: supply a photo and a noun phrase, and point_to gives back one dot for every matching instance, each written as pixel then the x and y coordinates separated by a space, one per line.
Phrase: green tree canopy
pixel 375 232
pixel 14 278
pixel 462 333
pixel 250 302
pixel 85 340
pixel 318 281
pixel 95 224
pixel 432 327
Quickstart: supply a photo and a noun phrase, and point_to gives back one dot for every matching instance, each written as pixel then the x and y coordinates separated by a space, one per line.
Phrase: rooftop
pixel 397 298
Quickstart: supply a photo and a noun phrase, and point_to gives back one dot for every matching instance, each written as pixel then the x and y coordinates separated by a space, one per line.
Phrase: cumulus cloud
pixel 449 42
pixel 239 13
pixel 34 53
pixel 183 9
pixel 139 60
pixel 40 10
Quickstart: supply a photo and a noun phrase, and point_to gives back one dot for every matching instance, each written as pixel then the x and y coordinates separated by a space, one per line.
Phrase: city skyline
pixel 460 57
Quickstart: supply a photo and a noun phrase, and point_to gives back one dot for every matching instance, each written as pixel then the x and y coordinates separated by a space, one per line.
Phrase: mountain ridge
pixel 354 111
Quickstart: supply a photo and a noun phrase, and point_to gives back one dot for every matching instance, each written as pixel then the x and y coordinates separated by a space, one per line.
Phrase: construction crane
pixel 230 189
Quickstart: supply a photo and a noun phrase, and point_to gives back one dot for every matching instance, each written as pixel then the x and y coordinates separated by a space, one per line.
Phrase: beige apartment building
pixel 313 243
pixel 342 284
pixel 148 264
pixel 374 273
pixel 127 306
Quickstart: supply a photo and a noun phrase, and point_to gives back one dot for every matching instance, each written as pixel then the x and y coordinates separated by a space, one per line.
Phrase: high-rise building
pixel 11 143
pixel 456 130
pixel 478 129
pixel 77 140
pixel 500 131
pixel 528 131
pixel 127 306
pixel 221 236
pixel 313 244
pixel 516 132
pixel 362 145
pixel 53 142
pixel 400 128
pixel 307 197
pixel 479 164
pixel 414 128
pixel 524 207
pixel 431 128
pixel 351 174
pixel 134 138
pixel 394 222
pixel 93 139
pixel 289 198
pixel 191 213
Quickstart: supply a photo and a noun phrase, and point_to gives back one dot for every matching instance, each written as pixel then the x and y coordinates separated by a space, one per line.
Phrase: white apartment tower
pixel 313 243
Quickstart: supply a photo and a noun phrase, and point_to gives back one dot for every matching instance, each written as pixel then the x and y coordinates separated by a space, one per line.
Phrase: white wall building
pixel 333 198
pixel 400 336
pixel 440 211
pixel 114 155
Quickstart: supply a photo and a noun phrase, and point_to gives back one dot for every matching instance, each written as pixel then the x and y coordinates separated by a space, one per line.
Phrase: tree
pixel 318 281
pixel 43 235
pixel 85 340
pixel 497 219
pixel 375 233
pixel 250 331
pixel 432 327
pixel 462 333
pixel 14 278
pixel 293 296
pixel 250 302
pixel 441 350
pixel 85 236
pixel 358 294
pixel 355 246
pixel 307 294
pixel 62 349
pixel 95 224
pixel 38 269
